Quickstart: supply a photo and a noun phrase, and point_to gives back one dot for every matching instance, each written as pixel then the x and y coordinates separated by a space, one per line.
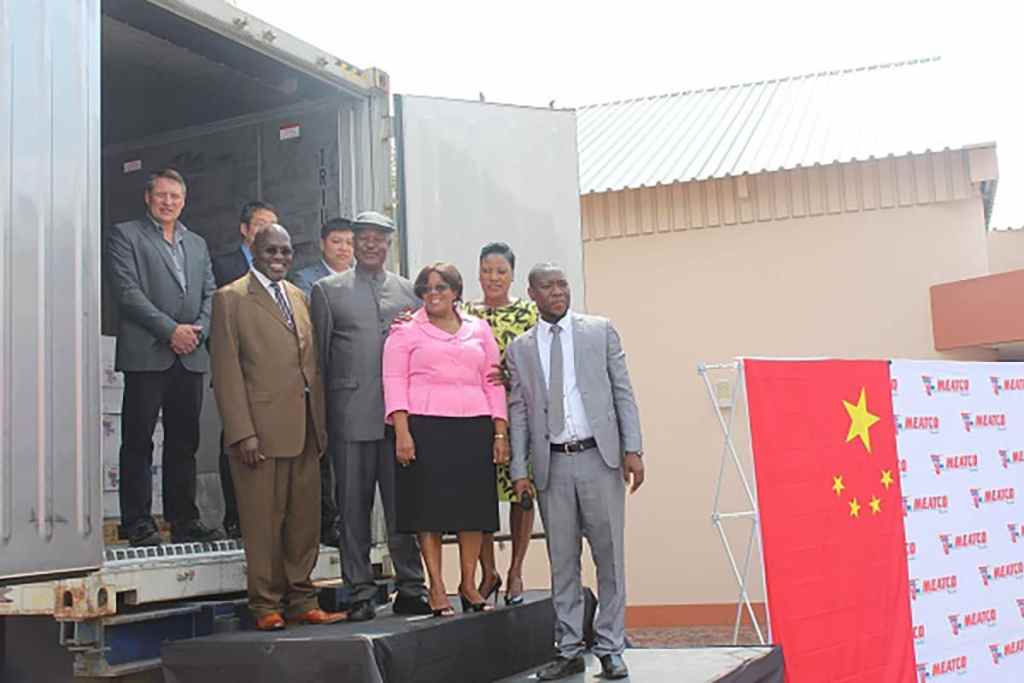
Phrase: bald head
pixel 272 252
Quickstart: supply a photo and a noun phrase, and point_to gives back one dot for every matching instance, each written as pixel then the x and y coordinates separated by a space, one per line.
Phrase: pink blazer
pixel 430 372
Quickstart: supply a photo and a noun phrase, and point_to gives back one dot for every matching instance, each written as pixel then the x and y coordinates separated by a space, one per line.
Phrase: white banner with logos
pixel 960 437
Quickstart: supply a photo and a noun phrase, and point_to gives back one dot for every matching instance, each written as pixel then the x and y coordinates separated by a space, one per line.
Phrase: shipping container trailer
pixel 97 95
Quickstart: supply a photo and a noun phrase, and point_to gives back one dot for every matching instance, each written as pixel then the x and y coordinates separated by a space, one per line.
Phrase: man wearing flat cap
pixel 352 313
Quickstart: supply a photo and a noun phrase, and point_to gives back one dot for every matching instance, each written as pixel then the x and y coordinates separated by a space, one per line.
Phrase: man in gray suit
pixel 336 252
pixel 572 408
pixel 163 285
pixel 352 313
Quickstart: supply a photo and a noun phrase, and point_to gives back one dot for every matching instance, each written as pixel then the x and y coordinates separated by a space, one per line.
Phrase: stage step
pixel 465 648
pixel 694 665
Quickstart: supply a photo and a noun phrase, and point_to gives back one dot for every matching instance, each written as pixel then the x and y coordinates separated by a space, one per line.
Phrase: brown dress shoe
pixel 270 622
pixel 318 616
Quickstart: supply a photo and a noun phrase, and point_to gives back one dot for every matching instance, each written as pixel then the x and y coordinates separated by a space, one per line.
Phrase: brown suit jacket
pixel 261 369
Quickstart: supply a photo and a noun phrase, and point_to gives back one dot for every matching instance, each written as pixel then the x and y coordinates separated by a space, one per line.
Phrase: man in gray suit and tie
pixel 163 285
pixel 352 313
pixel 572 410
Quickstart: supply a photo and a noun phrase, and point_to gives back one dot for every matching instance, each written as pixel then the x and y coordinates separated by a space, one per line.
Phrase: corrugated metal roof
pixel 898 108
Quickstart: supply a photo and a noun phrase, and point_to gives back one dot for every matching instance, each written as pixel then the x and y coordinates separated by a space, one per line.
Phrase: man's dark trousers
pixel 180 394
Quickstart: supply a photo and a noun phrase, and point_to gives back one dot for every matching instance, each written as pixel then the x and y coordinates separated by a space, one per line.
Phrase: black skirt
pixel 451 485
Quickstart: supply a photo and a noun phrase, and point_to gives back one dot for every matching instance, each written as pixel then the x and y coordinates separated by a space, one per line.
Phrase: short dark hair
pixel 169 174
pixel 335 225
pixel 252 207
pixel 448 272
pixel 544 267
pixel 500 249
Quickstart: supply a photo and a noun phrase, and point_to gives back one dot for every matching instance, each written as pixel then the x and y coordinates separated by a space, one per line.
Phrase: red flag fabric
pixel 828 489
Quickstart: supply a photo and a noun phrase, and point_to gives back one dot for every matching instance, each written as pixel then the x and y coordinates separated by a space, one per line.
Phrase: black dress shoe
pixel 195 532
pixel 232 529
pixel 144 534
pixel 612 666
pixel 562 667
pixel 411 604
pixel 362 611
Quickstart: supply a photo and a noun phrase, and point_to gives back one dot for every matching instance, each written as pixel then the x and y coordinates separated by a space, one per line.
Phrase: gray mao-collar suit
pixel 580 494
pixel 352 313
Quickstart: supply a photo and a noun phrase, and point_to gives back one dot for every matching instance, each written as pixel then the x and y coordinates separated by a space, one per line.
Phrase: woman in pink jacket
pixel 451 428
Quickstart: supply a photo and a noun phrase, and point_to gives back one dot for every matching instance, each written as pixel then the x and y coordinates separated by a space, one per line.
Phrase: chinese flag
pixel 828 490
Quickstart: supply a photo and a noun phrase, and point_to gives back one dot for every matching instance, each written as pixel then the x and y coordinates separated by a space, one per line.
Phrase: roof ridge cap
pixel 777 79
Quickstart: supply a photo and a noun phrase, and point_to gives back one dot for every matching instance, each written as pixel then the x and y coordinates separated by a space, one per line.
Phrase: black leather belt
pixel 573 447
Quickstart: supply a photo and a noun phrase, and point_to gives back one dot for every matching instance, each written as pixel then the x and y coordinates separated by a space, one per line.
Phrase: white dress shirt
pixel 330 270
pixel 577 427
pixel 268 285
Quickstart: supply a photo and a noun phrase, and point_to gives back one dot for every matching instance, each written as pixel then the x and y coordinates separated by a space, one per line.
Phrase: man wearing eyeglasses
pixel 163 284
pixel 352 313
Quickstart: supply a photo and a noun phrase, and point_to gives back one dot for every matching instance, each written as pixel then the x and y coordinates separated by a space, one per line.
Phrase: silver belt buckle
pixel 573 447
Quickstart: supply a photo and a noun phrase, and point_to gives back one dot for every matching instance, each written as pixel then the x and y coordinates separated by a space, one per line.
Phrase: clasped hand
pixel 185 339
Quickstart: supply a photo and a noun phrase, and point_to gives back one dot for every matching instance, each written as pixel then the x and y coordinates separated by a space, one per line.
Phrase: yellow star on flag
pixel 837 485
pixel 886 479
pixel 854 508
pixel 860 420
pixel 876 505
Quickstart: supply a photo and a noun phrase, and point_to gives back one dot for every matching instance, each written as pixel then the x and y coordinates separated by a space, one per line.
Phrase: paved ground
pixel 689 636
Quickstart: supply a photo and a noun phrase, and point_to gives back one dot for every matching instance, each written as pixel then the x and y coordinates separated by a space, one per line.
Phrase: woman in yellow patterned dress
pixel 508 319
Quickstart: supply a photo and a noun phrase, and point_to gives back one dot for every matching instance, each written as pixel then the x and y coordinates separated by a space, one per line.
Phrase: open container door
pixel 473 172
pixel 49 287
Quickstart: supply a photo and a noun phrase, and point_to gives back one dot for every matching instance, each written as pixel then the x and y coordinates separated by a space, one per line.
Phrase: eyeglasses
pixel 439 288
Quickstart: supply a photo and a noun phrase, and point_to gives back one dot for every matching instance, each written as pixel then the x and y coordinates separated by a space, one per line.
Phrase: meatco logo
pixel 937 584
pixel 911 550
pixel 934 503
pixel 927 423
pixel 991 496
pixel 963 461
pixel 1010 570
pixel 983 421
pixel 954 665
pixel 1008 457
pixel 1001 384
pixel 946 385
pixel 999 652
pixel 1015 531
pixel 918 632
pixel 1020 606
pixel 985 617
pixel 973 539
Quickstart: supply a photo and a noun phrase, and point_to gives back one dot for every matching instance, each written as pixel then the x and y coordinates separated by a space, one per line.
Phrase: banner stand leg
pixel 720 404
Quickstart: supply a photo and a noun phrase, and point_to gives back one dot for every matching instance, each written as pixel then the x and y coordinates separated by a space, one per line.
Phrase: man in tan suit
pixel 271 400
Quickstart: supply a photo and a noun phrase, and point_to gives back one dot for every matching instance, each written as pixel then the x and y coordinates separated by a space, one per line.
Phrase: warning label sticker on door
pixel 290 131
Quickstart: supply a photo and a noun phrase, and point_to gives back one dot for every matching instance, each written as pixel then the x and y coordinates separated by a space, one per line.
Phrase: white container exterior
pixel 49 286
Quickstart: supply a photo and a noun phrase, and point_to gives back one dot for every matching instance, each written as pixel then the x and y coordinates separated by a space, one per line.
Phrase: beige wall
pixel 844 284
pixel 1005 250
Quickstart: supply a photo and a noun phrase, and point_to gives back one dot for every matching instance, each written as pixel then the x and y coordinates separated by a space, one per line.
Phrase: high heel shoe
pixel 468 605
pixel 511 600
pixel 493 590
pixel 446 611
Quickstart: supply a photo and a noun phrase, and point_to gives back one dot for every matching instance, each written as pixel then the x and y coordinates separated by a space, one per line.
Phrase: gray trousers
pixel 586 498
pixel 359 467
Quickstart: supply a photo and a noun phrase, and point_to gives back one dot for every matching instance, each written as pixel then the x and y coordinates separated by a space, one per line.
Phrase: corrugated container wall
pixel 49 294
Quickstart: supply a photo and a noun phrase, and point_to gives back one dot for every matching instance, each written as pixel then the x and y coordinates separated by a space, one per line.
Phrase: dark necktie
pixel 283 305
pixel 556 408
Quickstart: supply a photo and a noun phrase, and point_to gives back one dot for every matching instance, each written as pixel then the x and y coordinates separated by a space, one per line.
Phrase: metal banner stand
pixel 721 403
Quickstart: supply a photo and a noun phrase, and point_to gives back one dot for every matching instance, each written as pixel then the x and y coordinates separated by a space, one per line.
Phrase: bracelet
pixel 500 436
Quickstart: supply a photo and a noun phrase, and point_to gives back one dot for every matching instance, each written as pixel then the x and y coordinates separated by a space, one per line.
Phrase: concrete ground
pixel 689 636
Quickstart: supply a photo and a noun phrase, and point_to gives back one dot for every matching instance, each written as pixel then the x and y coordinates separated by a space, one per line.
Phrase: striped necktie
pixel 283 305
